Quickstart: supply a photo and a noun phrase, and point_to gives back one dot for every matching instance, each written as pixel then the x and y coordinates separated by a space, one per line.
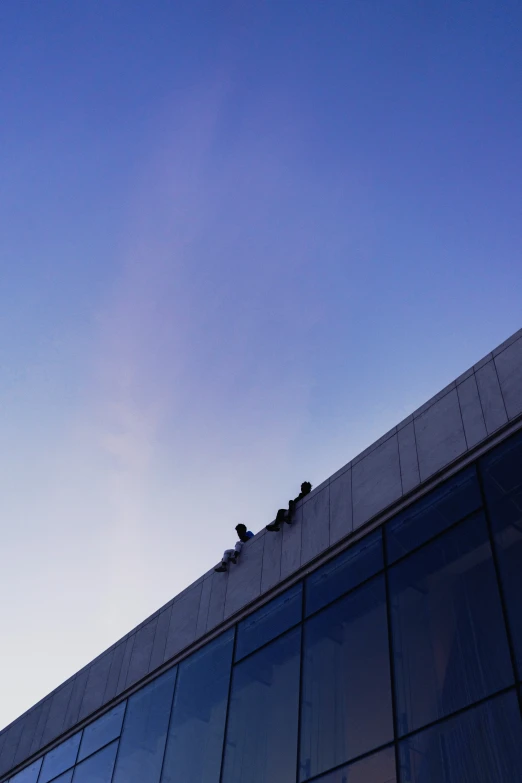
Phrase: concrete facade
pixel 483 402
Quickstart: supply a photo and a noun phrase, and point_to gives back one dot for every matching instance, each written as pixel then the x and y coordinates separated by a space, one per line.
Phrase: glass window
pixel 197 726
pixel 502 474
pixel 97 768
pixel 344 572
pixel 449 638
pixel 454 500
pixel 29 774
pixel 102 731
pixel 378 768
pixel 270 621
pixel 346 702
pixel 59 759
pixel 482 745
pixel 65 778
pixel 261 744
pixel 144 734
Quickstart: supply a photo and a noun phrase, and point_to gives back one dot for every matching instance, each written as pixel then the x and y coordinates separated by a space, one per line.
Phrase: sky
pixel 239 241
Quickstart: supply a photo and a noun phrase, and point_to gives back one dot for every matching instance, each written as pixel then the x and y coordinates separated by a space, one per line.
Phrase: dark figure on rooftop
pixel 231 555
pixel 286 515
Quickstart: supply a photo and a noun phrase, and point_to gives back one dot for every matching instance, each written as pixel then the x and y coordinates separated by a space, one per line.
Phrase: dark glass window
pixel 29 774
pixel 102 731
pixel 502 475
pixel 347 570
pixel 377 768
pixel 144 734
pixel 482 745
pixel 261 743
pixel 60 759
pixel 197 726
pixel 346 699
pixel 270 621
pixel 449 637
pixel 454 500
pixel 97 768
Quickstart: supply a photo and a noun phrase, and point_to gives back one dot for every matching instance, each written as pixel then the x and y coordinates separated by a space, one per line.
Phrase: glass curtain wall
pixel 398 660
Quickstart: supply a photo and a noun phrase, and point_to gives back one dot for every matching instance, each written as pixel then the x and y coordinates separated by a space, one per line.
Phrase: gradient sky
pixel 239 241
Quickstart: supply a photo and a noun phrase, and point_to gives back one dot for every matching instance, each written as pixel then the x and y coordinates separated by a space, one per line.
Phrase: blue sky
pixel 240 241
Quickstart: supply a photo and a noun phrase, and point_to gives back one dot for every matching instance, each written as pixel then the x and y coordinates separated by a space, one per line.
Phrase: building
pixel 377 639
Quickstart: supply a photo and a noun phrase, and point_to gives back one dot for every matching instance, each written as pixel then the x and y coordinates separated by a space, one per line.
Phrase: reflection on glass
pixel 61 758
pixel 261 743
pixel 144 734
pixel 346 702
pixel 449 637
pixel 482 745
pixel 270 621
pixel 454 500
pixel 29 774
pixel 502 474
pixel 65 778
pixel 102 731
pixel 378 768
pixel 347 570
pixel 97 768
pixel 197 726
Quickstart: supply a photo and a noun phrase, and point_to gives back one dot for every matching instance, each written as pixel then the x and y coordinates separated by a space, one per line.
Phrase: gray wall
pixel 481 401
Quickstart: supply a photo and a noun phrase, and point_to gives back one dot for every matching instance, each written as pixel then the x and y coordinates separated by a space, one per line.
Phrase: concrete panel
pixel 439 434
pixel 141 652
pixel 291 544
pixel 509 367
pixel 491 397
pixel 114 672
pixel 24 746
pixel 127 654
pixel 510 340
pixel 43 708
pixel 160 639
pixel 341 515
pixel 439 396
pixel 471 409
pixel 376 481
pixel 216 607
pixel 96 684
pixel 10 745
pixel 244 579
pixel 271 573
pixel 183 620
pixel 59 703
pixel 204 603
pixel 75 702
pixel 315 535
pixel 409 460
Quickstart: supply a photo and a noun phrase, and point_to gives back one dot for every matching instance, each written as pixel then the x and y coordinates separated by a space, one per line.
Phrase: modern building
pixel 376 639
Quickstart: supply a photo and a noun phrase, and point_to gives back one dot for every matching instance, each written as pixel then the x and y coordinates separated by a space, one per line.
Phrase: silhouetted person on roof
pixel 231 555
pixel 284 515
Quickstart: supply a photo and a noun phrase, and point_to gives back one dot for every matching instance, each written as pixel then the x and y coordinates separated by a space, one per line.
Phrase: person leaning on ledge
pixel 286 515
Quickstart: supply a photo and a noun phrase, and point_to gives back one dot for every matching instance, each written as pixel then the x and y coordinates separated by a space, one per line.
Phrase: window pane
pixel 346 704
pixel 145 732
pixel 483 745
pixel 65 778
pixel 270 621
pixel 502 474
pixel 29 774
pixel 379 768
pixel 449 637
pixel 345 571
pixel 261 745
pixel 197 727
pixel 60 759
pixel 454 500
pixel 102 731
pixel 97 768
